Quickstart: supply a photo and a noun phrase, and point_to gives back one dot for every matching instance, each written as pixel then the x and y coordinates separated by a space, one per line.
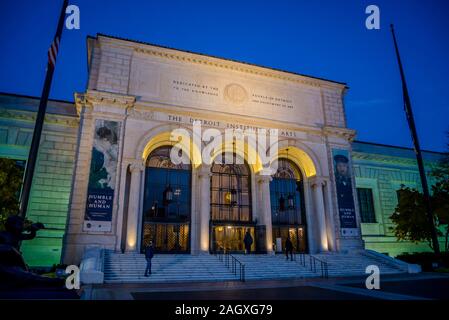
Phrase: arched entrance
pixel 230 205
pixel 287 205
pixel 167 203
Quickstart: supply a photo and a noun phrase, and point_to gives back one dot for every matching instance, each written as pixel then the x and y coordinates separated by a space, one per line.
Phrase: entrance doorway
pixel 167 203
pixel 287 207
pixel 230 238
pixel 297 237
pixel 167 237
pixel 230 204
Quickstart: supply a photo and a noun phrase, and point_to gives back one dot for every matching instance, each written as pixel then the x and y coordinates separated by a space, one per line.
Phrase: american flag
pixel 53 52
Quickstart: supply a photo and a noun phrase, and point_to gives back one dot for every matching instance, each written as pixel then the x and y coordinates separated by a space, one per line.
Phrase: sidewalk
pixel 334 288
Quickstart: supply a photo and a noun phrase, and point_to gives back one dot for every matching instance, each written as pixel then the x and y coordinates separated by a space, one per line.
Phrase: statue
pixel 13 269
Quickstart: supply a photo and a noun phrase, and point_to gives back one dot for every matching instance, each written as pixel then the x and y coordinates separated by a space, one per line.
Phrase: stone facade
pixel 383 169
pixel 50 192
pixel 151 91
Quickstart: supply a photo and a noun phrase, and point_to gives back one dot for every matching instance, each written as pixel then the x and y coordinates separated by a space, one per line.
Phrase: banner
pixel 343 181
pixel 102 175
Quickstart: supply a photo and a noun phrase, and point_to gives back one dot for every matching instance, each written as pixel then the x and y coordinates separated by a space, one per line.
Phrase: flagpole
pixel 419 159
pixel 34 148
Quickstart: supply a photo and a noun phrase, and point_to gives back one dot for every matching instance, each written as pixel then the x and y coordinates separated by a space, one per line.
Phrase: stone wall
pixel 52 181
pixel 333 108
pixel 383 169
pixel 109 68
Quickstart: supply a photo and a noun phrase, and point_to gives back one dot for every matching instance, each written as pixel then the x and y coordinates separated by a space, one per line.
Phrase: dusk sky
pixel 325 39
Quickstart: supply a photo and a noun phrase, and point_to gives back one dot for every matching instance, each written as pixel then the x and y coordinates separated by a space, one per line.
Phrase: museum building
pixel 106 177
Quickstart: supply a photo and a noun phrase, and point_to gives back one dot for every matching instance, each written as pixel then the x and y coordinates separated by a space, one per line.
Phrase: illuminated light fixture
pixel 154 208
pixel 234 198
pixel 282 203
pixel 229 227
pixel 228 197
pixel 168 195
pixel 291 203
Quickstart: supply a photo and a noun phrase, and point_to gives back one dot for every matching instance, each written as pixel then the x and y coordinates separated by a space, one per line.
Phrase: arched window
pixel 167 202
pixel 287 204
pixel 231 210
pixel 230 192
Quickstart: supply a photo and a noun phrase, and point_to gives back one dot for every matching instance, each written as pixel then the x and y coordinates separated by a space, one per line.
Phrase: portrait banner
pixel 343 183
pixel 102 176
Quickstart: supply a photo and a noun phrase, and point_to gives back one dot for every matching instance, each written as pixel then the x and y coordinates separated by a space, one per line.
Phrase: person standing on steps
pixel 149 253
pixel 248 241
pixel 289 248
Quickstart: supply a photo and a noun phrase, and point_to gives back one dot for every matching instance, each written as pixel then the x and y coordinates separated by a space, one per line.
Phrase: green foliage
pixel 410 217
pixel 440 195
pixel 425 259
pixel 10 182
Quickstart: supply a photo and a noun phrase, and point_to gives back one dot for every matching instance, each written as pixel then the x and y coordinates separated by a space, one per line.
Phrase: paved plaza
pixel 396 287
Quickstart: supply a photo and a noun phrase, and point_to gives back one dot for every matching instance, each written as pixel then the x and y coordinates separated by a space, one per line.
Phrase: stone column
pixel 204 175
pixel 317 186
pixel 330 221
pixel 136 168
pixel 264 207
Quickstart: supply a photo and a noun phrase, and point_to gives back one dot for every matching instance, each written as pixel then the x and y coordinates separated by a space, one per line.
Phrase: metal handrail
pixel 301 258
pixel 324 268
pixel 232 263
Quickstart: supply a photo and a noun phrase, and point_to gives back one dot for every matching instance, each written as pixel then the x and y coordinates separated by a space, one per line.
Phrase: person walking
pixel 149 253
pixel 289 248
pixel 248 241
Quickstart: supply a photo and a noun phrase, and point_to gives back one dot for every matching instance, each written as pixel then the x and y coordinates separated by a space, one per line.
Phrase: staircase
pixel 261 266
pixel 354 264
pixel 130 267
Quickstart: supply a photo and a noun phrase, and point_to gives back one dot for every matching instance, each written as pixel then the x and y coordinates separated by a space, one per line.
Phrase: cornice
pixel 146 110
pixel 31 117
pixel 233 66
pixel 385 159
pixel 94 97
pixel 347 134
pixel 221 63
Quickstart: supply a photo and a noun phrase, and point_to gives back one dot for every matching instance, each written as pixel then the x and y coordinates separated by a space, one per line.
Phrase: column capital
pixel 318 181
pixel 263 178
pixel 204 171
pixel 136 166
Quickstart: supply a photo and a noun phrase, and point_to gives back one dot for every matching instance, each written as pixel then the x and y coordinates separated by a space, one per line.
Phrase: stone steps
pixel 354 264
pixel 129 268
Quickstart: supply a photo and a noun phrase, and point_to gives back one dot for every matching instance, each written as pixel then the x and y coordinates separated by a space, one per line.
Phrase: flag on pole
pixel 53 52
pixel 40 117
pixel 419 158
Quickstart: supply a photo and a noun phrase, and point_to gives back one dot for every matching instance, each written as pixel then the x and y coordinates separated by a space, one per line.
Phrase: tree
pixel 10 181
pixel 410 217
pixel 440 194
pixel 410 213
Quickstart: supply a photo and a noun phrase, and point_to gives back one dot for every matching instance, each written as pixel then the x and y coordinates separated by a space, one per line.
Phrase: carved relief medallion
pixel 235 94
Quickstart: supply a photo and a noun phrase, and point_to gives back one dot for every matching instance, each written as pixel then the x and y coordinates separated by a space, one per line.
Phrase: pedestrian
pixel 248 241
pixel 149 253
pixel 289 248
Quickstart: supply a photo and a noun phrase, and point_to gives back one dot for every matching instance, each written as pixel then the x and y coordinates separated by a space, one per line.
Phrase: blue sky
pixel 325 39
